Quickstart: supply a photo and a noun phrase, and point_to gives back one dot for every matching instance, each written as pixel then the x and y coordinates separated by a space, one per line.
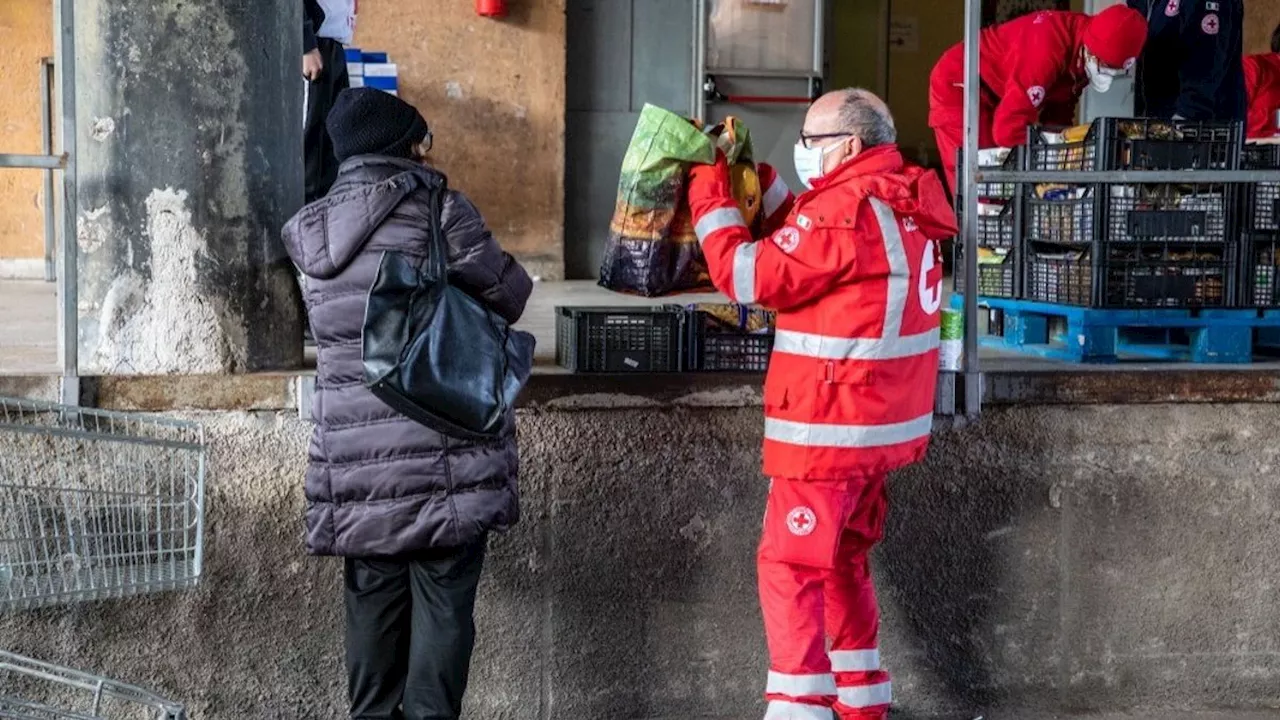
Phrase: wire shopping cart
pixel 72 695
pixel 96 505
pixel 93 505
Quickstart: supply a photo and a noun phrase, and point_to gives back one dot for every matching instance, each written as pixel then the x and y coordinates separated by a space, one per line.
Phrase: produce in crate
pixel 737 317
pixel 652 249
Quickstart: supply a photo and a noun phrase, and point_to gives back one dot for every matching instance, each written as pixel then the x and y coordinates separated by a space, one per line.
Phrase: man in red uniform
pixel 1033 70
pixel 855 274
pixel 1262 85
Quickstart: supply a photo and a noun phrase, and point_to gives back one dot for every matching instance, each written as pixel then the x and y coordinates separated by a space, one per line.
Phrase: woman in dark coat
pixel 407 507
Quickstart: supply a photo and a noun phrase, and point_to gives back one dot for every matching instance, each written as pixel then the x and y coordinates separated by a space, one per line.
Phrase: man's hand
pixel 709 183
pixel 312 65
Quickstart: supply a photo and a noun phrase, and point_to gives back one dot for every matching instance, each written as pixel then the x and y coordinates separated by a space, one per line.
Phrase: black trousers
pixel 410 632
pixel 321 165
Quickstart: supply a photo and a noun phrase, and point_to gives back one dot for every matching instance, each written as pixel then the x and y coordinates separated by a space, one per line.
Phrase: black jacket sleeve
pixel 312 19
pixel 1211 57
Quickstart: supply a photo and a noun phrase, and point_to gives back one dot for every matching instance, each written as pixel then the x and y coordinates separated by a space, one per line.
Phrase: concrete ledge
pixel 564 391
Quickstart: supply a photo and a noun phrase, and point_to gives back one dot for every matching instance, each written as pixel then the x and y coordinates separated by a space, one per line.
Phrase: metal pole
pixel 46 125
pixel 969 224
pixel 32 162
pixel 698 104
pixel 68 277
pixel 819 37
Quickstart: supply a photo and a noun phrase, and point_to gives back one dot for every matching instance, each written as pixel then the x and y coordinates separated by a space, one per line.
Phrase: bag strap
pixel 439 248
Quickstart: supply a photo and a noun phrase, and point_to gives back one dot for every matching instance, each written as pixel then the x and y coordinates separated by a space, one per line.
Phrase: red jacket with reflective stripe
pixel 1262 83
pixel 1032 71
pixel 855 273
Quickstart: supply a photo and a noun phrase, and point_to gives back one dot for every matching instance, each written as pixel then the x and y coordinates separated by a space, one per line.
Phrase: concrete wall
pixel 1072 558
pixel 494 94
pixel 26 36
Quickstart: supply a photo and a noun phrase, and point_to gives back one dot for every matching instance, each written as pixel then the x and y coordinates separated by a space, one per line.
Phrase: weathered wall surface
pixel 493 92
pixel 189 161
pixel 1260 19
pixel 1069 558
pixel 26 36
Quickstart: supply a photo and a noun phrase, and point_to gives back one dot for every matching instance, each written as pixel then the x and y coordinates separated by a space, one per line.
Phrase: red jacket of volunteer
pixel 1262 83
pixel 1032 72
pixel 855 274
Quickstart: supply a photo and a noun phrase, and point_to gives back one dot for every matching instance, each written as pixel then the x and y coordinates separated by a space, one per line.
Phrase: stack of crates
pixel 1260 251
pixel 1133 245
pixel 999 225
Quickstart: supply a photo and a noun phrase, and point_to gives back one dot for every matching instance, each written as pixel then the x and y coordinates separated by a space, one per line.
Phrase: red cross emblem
pixel 1171 10
pixel 801 521
pixel 1209 24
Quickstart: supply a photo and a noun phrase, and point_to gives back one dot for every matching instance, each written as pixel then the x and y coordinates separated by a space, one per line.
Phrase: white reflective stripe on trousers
pixel 899 271
pixel 825 347
pixel 775 196
pixel 867 695
pixel 801 685
pixel 843 661
pixel 718 220
pixel 783 710
pixel 847 436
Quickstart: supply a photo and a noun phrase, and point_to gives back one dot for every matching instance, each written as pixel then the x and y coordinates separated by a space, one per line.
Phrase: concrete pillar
pixel 189 161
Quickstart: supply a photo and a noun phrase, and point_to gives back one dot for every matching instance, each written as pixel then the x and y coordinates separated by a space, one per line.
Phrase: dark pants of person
pixel 321 164
pixel 410 632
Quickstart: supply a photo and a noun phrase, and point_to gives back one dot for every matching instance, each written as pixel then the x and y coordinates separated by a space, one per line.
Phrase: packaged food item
pixel 1076 133
pixel 951 348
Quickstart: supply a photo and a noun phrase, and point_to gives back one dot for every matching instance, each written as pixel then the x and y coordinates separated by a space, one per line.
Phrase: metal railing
pixel 63 267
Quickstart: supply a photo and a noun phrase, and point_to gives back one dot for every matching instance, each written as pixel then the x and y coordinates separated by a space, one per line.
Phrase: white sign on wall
pixel 904 34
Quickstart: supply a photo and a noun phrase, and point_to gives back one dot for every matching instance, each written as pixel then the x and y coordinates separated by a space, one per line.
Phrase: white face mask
pixel 809 162
pixel 1100 78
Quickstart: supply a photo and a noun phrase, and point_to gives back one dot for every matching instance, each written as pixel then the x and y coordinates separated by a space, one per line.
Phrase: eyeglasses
pixel 807 140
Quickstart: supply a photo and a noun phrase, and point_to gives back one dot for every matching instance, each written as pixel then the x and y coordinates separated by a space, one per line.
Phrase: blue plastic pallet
pixel 1088 335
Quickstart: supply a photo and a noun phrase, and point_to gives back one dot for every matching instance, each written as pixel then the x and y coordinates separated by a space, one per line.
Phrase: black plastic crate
pixel 620 339
pixel 1262 200
pixel 1065 217
pixel 994 191
pixel 1149 213
pixel 996 278
pixel 997 224
pixel 1260 279
pixel 1133 277
pixel 730 338
pixel 1142 144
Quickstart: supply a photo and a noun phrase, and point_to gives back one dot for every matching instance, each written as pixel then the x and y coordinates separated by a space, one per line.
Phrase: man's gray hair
pixel 867 117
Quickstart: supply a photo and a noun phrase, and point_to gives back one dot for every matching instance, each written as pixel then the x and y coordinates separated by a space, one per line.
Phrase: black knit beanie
pixel 367 121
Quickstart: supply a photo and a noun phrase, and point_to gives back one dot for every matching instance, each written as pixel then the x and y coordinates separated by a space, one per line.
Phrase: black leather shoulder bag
pixel 436 354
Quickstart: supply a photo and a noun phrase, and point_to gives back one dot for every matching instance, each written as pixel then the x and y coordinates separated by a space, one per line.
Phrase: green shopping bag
pixel 652 249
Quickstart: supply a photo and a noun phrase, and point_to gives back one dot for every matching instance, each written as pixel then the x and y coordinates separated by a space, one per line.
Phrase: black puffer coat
pixel 379 484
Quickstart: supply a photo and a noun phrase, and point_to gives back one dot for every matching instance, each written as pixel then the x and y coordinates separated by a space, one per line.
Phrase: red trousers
pixel 815 589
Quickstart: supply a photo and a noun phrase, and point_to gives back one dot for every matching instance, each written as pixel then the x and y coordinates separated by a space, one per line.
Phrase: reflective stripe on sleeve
pixel 867 695
pixel 775 196
pixel 843 661
pixel 783 710
pixel 744 273
pixel 801 685
pixel 847 436
pixel 899 271
pixel 718 220
pixel 825 347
